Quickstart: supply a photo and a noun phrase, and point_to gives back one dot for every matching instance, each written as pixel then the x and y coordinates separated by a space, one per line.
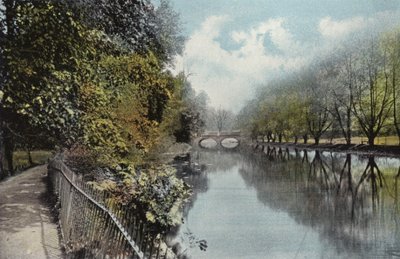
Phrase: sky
pixel 234 46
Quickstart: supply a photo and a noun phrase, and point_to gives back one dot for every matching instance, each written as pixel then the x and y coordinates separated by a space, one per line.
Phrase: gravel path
pixel 27 229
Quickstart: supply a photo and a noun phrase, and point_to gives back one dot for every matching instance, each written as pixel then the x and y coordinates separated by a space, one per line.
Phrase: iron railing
pixel 94 226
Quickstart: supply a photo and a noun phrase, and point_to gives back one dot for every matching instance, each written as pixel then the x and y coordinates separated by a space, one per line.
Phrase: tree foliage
pixel 353 90
pixel 44 65
pixel 90 76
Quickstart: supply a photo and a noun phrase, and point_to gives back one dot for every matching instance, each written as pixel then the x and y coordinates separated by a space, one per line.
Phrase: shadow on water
pixel 283 202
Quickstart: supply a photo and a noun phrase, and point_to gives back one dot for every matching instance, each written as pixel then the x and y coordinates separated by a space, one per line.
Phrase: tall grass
pixel 21 158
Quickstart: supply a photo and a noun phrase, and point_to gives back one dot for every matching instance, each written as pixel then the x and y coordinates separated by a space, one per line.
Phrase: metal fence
pixel 94 226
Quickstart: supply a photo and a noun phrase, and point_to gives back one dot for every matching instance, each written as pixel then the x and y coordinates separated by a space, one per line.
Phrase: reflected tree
pixel 345 170
pixel 305 157
pixel 373 175
pixel 318 170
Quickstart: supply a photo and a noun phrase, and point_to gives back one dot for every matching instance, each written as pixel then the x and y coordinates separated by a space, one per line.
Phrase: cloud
pixel 351 30
pixel 263 51
pixel 337 29
pixel 229 76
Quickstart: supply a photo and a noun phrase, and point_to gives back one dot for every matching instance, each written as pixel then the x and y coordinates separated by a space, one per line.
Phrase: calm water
pixel 291 205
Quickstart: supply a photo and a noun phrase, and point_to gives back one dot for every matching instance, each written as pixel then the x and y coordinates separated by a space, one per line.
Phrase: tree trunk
pixel 296 139
pixel 371 140
pixel 348 138
pixel 2 151
pixel 305 138
pixel 6 158
pixel 316 140
pixel 30 160
pixel 349 177
pixel 2 169
pixel 8 151
pixel 280 138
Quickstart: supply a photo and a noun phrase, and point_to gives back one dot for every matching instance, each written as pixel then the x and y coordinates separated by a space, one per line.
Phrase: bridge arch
pixel 229 145
pixel 201 140
pixel 220 139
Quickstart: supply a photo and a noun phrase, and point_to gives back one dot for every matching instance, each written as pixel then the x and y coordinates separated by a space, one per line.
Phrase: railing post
pixel 70 200
pixel 59 182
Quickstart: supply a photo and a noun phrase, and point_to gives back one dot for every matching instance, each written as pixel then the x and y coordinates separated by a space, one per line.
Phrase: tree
pixel 391 46
pixel 168 40
pixel 42 49
pixel 123 111
pixel 136 25
pixel 127 22
pixel 343 96
pixel 295 113
pixel 192 120
pixel 248 118
pixel 317 111
pixel 372 102
pixel 317 121
pixel 193 115
pixel 220 118
pixel 277 119
pixel 339 72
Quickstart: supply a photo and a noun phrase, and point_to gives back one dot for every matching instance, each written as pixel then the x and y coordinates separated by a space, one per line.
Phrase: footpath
pixel 27 228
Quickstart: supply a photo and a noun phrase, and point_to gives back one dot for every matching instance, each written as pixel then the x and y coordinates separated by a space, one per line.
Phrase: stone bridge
pixel 218 137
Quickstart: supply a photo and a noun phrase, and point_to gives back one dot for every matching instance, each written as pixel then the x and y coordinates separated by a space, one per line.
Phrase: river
pixel 291 204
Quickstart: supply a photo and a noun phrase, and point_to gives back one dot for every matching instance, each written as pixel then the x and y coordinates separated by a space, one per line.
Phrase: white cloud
pixel 229 77
pixel 338 29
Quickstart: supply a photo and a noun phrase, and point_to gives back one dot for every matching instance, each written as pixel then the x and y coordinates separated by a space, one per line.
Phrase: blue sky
pixel 235 45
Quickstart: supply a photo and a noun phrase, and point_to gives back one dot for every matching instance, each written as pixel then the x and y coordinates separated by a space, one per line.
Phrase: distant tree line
pixel 353 90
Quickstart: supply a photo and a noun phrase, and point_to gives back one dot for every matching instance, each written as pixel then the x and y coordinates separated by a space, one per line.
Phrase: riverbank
pixel 361 149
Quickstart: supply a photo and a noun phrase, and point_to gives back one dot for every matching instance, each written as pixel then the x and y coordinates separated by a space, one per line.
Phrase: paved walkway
pixel 27 229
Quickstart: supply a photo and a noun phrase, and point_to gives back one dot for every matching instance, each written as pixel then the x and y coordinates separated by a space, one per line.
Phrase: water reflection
pixel 287 203
pixel 229 143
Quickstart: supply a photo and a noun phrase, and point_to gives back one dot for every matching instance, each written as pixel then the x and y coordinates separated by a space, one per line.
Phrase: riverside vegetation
pixel 353 90
pixel 90 78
